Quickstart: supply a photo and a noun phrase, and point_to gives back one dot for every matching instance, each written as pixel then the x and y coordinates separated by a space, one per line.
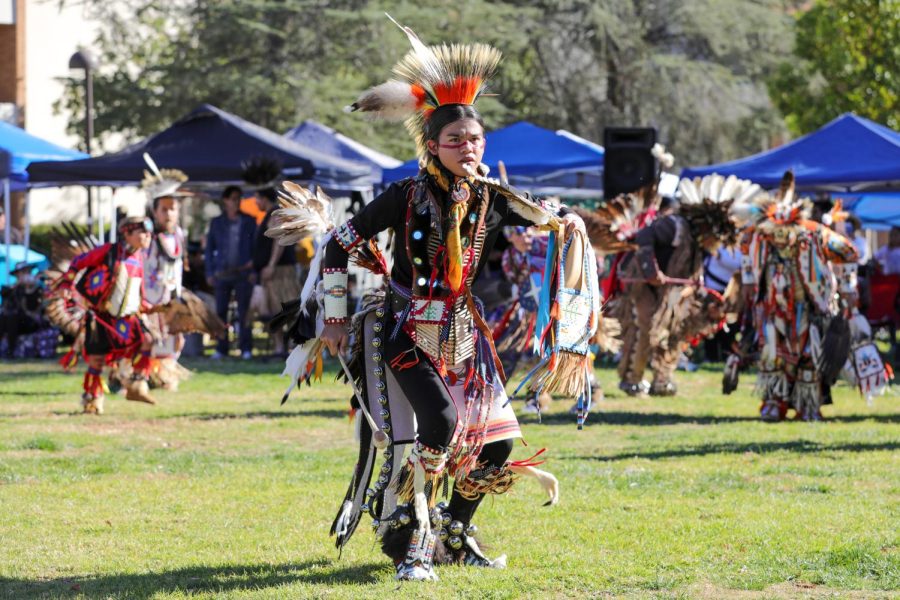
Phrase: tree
pixel 847 58
pixel 695 69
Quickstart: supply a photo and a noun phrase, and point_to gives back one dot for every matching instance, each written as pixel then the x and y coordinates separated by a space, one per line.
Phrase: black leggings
pixel 492 455
pixel 436 415
pixel 431 402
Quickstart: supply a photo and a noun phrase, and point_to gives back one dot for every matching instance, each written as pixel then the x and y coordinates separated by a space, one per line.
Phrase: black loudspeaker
pixel 628 164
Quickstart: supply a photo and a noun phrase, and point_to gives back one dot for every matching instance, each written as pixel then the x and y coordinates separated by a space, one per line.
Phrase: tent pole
pixel 90 210
pixel 101 232
pixel 28 218
pixel 6 230
pixel 113 225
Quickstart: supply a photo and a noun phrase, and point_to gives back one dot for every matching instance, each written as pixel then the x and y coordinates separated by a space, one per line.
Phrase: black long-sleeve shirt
pixel 389 210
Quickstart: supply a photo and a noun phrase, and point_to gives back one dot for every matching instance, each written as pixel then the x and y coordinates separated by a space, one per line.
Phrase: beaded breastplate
pixel 436 320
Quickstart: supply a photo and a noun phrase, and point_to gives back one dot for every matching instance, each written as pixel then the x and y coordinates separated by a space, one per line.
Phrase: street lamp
pixel 83 61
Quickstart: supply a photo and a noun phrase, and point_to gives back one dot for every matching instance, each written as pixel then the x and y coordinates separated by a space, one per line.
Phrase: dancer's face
pixel 139 239
pixel 522 241
pixel 710 243
pixel 459 147
pixel 166 214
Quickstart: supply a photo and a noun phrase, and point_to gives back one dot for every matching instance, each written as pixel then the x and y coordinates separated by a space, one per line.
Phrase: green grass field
pixel 219 492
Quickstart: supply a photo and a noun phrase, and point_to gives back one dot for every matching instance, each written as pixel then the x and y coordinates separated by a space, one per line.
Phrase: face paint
pixel 459 157
pixel 477 142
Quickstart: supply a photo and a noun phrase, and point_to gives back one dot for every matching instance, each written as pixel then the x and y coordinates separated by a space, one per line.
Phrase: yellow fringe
pixel 565 375
pixel 406 492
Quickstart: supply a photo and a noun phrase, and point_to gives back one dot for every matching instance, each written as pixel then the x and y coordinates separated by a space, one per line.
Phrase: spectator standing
pixel 275 265
pixel 888 257
pixel 229 267
pixel 856 233
pixel 15 235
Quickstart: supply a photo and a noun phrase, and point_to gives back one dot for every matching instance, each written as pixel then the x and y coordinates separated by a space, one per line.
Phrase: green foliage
pixel 695 69
pixel 847 58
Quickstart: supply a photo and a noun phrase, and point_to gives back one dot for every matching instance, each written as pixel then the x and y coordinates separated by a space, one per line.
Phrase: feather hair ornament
pixel 159 183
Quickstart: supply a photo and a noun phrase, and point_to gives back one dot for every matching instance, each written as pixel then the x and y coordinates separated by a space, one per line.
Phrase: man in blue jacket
pixel 229 266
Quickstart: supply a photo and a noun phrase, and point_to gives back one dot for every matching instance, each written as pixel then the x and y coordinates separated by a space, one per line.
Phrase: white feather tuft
pixel 152 164
pixel 666 159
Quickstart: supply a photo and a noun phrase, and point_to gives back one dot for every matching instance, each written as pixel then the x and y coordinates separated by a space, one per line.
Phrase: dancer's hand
pixel 573 222
pixel 336 338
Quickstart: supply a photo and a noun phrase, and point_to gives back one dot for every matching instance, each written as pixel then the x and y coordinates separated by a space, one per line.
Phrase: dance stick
pixel 379 438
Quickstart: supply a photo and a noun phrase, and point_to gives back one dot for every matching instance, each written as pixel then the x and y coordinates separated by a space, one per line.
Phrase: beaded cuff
pixel 335 283
pixel 433 461
pixel 346 236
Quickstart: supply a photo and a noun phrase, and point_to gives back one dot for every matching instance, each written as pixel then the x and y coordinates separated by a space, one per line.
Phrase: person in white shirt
pixel 855 232
pixel 888 257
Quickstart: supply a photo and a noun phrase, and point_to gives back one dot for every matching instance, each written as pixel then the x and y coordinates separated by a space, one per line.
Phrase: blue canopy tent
pixel 535 158
pixel 848 154
pixel 23 149
pixel 878 211
pixel 209 145
pixel 18 149
pixel 330 142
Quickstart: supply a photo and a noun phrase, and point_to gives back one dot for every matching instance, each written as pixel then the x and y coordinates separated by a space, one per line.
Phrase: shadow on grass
pixel 799 446
pixel 263 414
pixel 5 393
pixel 604 417
pixel 257 365
pixel 52 368
pixel 655 419
pixel 191 580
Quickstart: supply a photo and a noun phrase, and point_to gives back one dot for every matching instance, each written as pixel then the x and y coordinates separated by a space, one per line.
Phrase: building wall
pixel 12 60
pixel 47 65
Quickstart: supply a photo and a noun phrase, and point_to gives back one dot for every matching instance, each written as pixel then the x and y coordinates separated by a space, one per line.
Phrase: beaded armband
pixel 335 283
pixel 346 236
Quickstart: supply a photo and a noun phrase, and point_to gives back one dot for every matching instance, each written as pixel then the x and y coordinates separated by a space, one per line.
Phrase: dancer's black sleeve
pixel 385 211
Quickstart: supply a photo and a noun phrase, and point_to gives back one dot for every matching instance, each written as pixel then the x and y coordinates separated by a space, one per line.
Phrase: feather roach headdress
pixel 787 208
pixel 159 183
pixel 264 174
pixel 427 78
pixel 708 204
